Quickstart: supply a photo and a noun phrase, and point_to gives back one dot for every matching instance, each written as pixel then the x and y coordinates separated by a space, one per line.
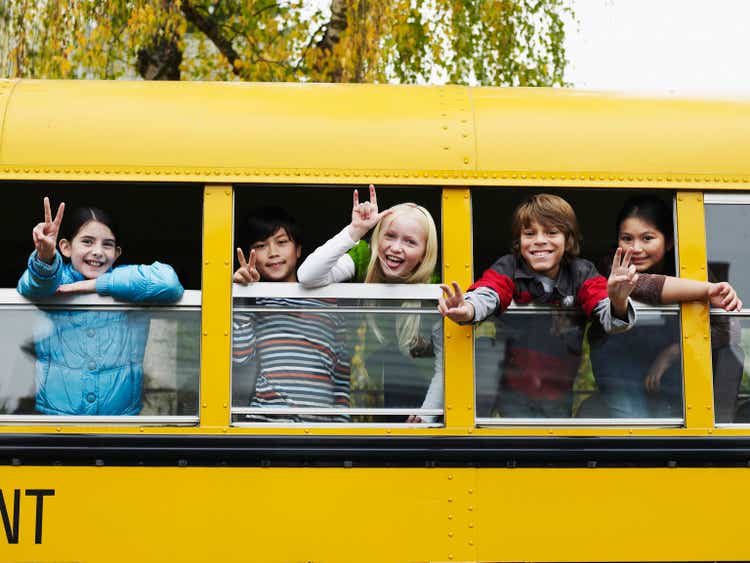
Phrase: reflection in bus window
pixel 333 360
pixel 638 374
pixel 162 359
pixel 728 260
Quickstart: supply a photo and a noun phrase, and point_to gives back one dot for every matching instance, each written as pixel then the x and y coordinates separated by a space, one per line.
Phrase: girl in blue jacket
pixel 90 362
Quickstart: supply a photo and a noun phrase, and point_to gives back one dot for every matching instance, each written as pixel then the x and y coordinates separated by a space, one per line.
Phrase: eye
pixel 259 245
pixel 389 236
pixel 108 244
pixel 553 232
pixel 626 238
pixel 282 241
pixel 87 241
pixel 528 233
pixel 410 241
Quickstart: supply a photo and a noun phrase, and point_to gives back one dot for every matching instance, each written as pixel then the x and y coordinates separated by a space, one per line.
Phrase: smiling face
pixel 276 257
pixel 648 243
pixel 401 247
pixel 543 248
pixel 93 250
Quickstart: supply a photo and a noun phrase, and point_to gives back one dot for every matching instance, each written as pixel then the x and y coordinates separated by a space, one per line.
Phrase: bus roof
pixel 354 133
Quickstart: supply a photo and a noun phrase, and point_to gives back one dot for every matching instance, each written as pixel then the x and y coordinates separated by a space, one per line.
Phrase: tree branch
pixel 211 30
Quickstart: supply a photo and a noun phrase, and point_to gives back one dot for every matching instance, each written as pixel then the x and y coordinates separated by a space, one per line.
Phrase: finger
pixel 241 257
pixel 242 276
pixel 59 215
pixel 373 196
pixel 442 308
pixel 356 198
pixel 632 272
pixel 47 211
pixel 446 291
pixel 626 259
pixel 617 258
pixel 384 214
pixel 459 294
pixel 254 275
pixel 253 258
pixel 738 307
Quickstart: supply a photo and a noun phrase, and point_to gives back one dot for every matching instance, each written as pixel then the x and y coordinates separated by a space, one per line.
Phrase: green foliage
pixel 493 42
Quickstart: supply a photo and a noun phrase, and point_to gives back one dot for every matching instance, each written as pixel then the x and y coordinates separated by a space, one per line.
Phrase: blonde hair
pixel 407 326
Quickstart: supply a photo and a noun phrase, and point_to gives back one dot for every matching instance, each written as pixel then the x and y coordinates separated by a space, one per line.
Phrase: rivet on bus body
pixel 450 534
pixel 471 491
pixel 471 508
pixel 450 477
pixel 206 262
pixel 464 135
pixel 471 524
pixel 470 431
pixel 224 405
pixel 450 499
pixel 307 430
pixel 445 127
pixel 471 542
pixel 224 430
pixel 446 148
pixel 140 429
pixel 450 517
pixel 466 160
pixel 226 333
pixel 690 407
pixel 58 429
pixel 205 333
pixel 205 405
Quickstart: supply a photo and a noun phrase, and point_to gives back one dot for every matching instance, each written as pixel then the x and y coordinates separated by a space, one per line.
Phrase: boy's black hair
pixel 263 222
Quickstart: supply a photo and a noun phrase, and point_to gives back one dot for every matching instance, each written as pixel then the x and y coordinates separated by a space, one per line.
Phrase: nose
pixel 539 238
pixel 395 245
pixel 273 249
pixel 97 249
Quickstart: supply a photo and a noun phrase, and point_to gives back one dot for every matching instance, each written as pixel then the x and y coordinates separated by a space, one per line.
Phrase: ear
pixel 299 251
pixel 65 249
pixel 118 252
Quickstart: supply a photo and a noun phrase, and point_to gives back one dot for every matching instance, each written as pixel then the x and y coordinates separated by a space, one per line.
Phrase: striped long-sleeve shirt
pixel 302 358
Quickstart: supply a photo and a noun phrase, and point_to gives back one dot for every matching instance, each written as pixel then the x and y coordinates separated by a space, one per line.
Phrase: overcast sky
pixel 685 46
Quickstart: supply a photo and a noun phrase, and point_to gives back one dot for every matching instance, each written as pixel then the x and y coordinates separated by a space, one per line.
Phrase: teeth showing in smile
pixel 94 263
pixel 393 261
pixel 541 252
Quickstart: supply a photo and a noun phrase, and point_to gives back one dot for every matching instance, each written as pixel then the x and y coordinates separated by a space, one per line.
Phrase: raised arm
pixel 330 263
pixel 43 274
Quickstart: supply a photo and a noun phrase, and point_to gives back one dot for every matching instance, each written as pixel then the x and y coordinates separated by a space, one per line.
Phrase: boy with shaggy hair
pixel 542 354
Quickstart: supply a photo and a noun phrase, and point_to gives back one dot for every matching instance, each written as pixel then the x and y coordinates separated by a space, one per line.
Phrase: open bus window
pixel 344 353
pixel 728 253
pixel 544 358
pixel 91 356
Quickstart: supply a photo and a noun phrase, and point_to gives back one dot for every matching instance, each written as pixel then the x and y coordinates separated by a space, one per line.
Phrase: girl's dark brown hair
pixel 73 222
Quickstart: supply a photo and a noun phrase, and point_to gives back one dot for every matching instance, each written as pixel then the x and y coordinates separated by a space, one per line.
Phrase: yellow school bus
pixel 200 474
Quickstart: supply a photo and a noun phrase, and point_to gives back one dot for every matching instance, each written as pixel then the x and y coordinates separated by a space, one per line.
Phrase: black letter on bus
pixel 11 533
pixel 39 494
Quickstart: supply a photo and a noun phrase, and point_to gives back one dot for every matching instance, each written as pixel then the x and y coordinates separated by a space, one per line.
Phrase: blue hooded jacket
pixel 91 362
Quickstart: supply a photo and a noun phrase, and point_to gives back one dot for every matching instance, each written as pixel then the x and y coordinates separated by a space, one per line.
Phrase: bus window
pixel 549 357
pixel 728 253
pixel 343 353
pixel 89 355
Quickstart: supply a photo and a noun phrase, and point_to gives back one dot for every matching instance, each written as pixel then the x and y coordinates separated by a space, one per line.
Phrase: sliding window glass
pixel 728 252
pixel 103 323
pixel 329 328
pixel 549 347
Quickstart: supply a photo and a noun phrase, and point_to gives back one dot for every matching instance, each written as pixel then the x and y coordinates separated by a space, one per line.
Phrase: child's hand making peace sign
pixel 621 282
pixel 365 215
pixel 45 233
pixel 247 272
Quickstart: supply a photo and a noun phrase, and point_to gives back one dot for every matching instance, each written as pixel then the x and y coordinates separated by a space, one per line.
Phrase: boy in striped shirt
pixel 298 359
